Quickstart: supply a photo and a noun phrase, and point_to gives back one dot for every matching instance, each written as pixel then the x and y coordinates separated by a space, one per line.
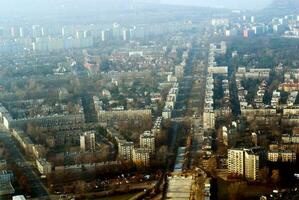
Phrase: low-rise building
pixel 24 141
pixel 289 87
pixel 282 156
pixel 218 70
pixel 3 164
pixel 287 138
pixel 253 73
pixel 6 176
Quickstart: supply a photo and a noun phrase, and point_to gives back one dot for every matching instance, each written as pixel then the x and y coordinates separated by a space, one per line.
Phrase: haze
pixel 235 4
pixel 37 5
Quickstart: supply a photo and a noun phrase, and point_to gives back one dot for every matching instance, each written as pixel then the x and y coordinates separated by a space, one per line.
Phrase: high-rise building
pixel 77 35
pixel 21 32
pixel 248 33
pixel 147 140
pixel 106 35
pixel 126 35
pixel 141 156
pixel 62 32
pixel 246 162
pixel 12 32
pixel 252 164
pixel 125 150
pixel 235 161
pixel 86 33
pixel 87 141
pixel 43 32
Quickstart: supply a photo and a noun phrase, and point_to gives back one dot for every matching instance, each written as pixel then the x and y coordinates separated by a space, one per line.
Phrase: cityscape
pixel 149 100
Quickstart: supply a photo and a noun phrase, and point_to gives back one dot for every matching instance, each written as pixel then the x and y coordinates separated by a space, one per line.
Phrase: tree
pixel 236 190
pixel 162 153
pixel 275 176
pixel 80 187
pixel 264 174
pixel 212 166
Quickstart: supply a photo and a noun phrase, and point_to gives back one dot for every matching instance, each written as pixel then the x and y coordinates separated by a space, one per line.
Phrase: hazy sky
pixel 236 4
pixel 8 6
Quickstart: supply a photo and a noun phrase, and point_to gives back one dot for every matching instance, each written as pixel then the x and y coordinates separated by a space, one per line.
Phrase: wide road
pixel 38 189
pixel 179 113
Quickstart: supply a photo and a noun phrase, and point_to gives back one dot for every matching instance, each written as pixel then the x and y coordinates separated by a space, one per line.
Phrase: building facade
pixel 141 156
pixel 87 141
pixel 147 140
pixel 246 162
pixel 125 150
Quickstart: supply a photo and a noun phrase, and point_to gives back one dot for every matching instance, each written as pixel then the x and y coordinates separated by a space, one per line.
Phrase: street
pixel 38 188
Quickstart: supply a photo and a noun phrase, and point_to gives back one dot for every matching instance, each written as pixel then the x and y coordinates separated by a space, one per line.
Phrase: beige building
pixel 141 156
pixel 291 111
pixel 43 166
pixel 218 70
pixel 235 161
pixel 282 156
pixel 286 138
pixel 24 141
pixel 208 120
pixel 147 140
pixel 252 165
pixel 121 115
pixel 246 162
pixel 125 150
